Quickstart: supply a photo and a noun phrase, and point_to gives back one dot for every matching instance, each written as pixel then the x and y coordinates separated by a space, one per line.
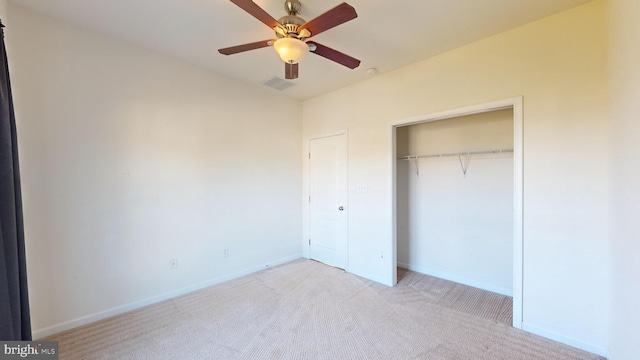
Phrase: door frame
pixel 515 103
pixel 305 200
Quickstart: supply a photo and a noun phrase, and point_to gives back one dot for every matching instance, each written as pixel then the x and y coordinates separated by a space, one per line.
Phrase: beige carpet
pixel 451 295
pixel 306 310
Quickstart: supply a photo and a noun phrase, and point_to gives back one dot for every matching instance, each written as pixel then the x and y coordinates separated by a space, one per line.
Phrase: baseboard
pixel 67 325
pixel 578 344
pixel 479 285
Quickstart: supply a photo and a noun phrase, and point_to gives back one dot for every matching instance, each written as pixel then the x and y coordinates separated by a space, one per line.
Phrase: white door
pixel 328 233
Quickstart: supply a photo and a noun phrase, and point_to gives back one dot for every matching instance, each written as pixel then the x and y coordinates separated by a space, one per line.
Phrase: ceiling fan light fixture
pixel 292 33
pixel 291 50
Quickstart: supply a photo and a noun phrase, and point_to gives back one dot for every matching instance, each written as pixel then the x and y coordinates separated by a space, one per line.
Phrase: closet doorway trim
pixel 515 103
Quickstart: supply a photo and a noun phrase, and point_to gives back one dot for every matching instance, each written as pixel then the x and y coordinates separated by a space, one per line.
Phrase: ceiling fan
pixel 293 34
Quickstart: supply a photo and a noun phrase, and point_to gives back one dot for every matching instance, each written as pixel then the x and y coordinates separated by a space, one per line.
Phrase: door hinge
pixel 309 198
pixel 309 155
pixel 309 241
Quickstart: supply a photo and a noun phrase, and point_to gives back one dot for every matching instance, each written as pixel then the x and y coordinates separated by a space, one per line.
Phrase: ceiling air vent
pixel 278 83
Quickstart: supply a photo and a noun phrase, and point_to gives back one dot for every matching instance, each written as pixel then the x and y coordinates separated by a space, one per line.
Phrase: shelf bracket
pixel 464 165
pixel 413 159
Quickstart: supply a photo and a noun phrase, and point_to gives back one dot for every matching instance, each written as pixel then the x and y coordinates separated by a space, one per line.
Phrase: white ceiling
pixel 386 35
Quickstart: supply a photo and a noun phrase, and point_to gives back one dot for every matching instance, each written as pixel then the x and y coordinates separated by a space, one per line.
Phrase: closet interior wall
pixel 455 213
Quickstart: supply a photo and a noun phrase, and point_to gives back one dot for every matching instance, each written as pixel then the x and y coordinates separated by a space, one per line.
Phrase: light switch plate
pixel 362 188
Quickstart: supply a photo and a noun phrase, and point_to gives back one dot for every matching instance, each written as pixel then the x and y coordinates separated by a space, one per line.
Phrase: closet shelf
pixel 457 154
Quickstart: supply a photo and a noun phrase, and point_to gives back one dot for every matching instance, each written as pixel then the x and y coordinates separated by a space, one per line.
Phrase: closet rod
pixel 498 151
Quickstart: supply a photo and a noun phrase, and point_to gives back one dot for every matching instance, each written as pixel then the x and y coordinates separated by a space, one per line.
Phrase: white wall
pixel 4 11
pixel 559 65
pixel 450 224
pixel 624 22
pixel 131 159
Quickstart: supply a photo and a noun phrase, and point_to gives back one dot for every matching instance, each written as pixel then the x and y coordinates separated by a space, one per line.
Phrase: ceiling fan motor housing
pixel 292 21
pixel 292 7
pixel 291 24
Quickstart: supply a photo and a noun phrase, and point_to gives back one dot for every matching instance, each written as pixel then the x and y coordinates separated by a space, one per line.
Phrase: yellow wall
pixel 559 65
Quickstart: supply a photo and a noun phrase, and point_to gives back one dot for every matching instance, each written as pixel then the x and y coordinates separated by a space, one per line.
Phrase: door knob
pixel 341 208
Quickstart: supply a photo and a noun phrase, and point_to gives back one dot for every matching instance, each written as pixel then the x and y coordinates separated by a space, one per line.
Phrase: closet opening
pixel 458 207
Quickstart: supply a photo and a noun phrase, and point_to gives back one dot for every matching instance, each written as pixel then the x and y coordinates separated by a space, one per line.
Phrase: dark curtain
pixel 15 323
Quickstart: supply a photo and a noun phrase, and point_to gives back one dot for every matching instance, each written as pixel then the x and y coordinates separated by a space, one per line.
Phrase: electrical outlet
pixel 362 188
pixel 225 252
pixel 174 264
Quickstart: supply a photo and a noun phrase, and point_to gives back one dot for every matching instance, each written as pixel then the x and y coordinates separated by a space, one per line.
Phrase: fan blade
pixel 290 71
pixel 245 47
pixel 256 11
pixel 332 18
pixel 334 55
